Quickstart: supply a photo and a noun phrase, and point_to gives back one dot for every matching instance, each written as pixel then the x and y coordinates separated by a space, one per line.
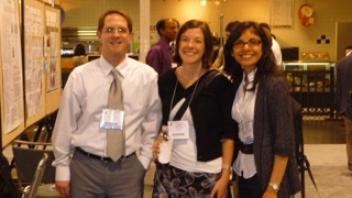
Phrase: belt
pixel 101 158
pixel 246 148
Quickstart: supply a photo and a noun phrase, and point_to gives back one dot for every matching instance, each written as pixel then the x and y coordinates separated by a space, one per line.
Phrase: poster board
pixel 11 75
pixel 52 58
pixel 34 90
pixel 281 13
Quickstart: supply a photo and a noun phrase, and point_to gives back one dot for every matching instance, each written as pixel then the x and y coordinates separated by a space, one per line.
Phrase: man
pixel 87 165
pixel 160 55
pixel 344 100
pixel 275 47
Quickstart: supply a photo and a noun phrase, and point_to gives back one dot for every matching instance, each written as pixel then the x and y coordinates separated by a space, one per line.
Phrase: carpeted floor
pixel 329 167
pixel 332 182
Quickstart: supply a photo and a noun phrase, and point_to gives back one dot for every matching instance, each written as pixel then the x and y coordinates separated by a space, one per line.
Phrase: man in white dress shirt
pixel 83 168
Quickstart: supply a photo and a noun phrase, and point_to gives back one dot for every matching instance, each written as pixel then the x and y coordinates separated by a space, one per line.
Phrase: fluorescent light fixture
pixel 86 31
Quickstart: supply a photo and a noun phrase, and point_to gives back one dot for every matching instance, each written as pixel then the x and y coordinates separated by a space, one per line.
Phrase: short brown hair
pixel 109 12
pixel 191 24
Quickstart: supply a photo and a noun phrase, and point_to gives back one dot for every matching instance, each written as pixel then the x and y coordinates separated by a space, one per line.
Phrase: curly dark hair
pixel 266 64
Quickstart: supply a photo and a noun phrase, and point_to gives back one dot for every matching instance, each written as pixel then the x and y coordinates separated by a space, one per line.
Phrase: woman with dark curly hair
pixel 200 164
pixel 266 162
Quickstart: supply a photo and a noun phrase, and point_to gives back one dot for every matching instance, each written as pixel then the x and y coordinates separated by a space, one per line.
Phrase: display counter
pixel 312 84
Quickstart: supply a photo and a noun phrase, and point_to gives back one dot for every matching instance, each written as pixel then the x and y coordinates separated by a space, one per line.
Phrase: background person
pixel 200 162
pixel 275 47
pixel 160 55
pixel 113 90
pixel 79 55
pixel 219 61
pixel 266 163
pixel 344 99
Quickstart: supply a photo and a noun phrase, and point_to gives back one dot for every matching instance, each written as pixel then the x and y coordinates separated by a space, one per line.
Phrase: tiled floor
pixel 329 167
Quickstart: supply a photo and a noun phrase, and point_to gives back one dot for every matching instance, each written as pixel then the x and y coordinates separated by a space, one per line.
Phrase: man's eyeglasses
pixel 251 43
pixel 121 30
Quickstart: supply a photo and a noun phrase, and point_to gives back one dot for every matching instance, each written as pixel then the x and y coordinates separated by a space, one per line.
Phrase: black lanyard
pixel 185 104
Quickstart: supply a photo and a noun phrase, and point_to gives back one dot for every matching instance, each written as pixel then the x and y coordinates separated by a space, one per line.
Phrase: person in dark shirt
pixel 79 55
pixel 344 98
pixel 160 55
pixel 219 60
pixel 198 100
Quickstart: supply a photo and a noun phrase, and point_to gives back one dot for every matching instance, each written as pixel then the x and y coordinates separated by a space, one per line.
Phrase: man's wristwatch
pixel 274 186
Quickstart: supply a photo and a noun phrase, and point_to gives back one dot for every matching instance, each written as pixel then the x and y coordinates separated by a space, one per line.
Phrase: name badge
pixel 112 119
pixel 178 130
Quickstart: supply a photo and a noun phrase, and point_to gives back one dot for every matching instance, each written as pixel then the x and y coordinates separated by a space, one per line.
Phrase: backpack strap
pixel 7 185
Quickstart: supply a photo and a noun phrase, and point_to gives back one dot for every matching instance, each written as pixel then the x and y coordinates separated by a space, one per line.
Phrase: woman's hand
pixel 221 187
pixel 270 193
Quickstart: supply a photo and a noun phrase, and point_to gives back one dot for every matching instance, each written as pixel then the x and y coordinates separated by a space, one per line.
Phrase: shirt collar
pixel 121 68
pixel 164 42
pixel 250 75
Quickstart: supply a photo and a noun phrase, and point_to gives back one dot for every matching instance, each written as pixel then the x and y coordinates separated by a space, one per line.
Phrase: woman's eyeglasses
pixel 251 43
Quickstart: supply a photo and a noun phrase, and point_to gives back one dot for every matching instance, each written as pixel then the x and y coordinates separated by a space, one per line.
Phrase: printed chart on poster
pixel 52 58
pixel 51 41
pixel 34 61
pixel 12 105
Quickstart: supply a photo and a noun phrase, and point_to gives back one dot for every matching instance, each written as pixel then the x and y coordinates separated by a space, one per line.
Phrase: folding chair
pixel 33 165
pixel 31 190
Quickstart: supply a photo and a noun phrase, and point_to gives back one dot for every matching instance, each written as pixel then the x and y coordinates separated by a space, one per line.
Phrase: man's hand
pixel 63 187
pixel 156 146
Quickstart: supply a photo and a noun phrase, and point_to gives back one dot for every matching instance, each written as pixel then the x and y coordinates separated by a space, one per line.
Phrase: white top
pixel 243 113
pixel 86 95
pixel 184 152
pixel 275 47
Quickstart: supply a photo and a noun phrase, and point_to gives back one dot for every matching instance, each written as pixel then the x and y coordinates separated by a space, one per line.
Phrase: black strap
pixel 7 185
pixel 210 76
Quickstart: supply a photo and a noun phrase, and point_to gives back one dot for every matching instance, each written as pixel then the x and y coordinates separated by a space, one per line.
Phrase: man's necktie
pixel 115 139
pixel 172 48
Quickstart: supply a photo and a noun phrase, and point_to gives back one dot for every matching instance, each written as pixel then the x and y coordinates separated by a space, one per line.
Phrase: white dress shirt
pixel 275 47
pixel 86 95
pixel 243 113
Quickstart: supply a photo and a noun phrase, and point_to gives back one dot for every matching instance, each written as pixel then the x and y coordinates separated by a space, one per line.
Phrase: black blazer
pixel 344 86
pixel 274 133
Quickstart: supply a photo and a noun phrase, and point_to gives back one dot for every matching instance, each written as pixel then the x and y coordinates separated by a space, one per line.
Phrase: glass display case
pixel 312 85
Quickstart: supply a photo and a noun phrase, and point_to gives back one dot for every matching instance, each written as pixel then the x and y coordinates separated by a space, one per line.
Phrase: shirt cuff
pixel 144 161
pixel 62 173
